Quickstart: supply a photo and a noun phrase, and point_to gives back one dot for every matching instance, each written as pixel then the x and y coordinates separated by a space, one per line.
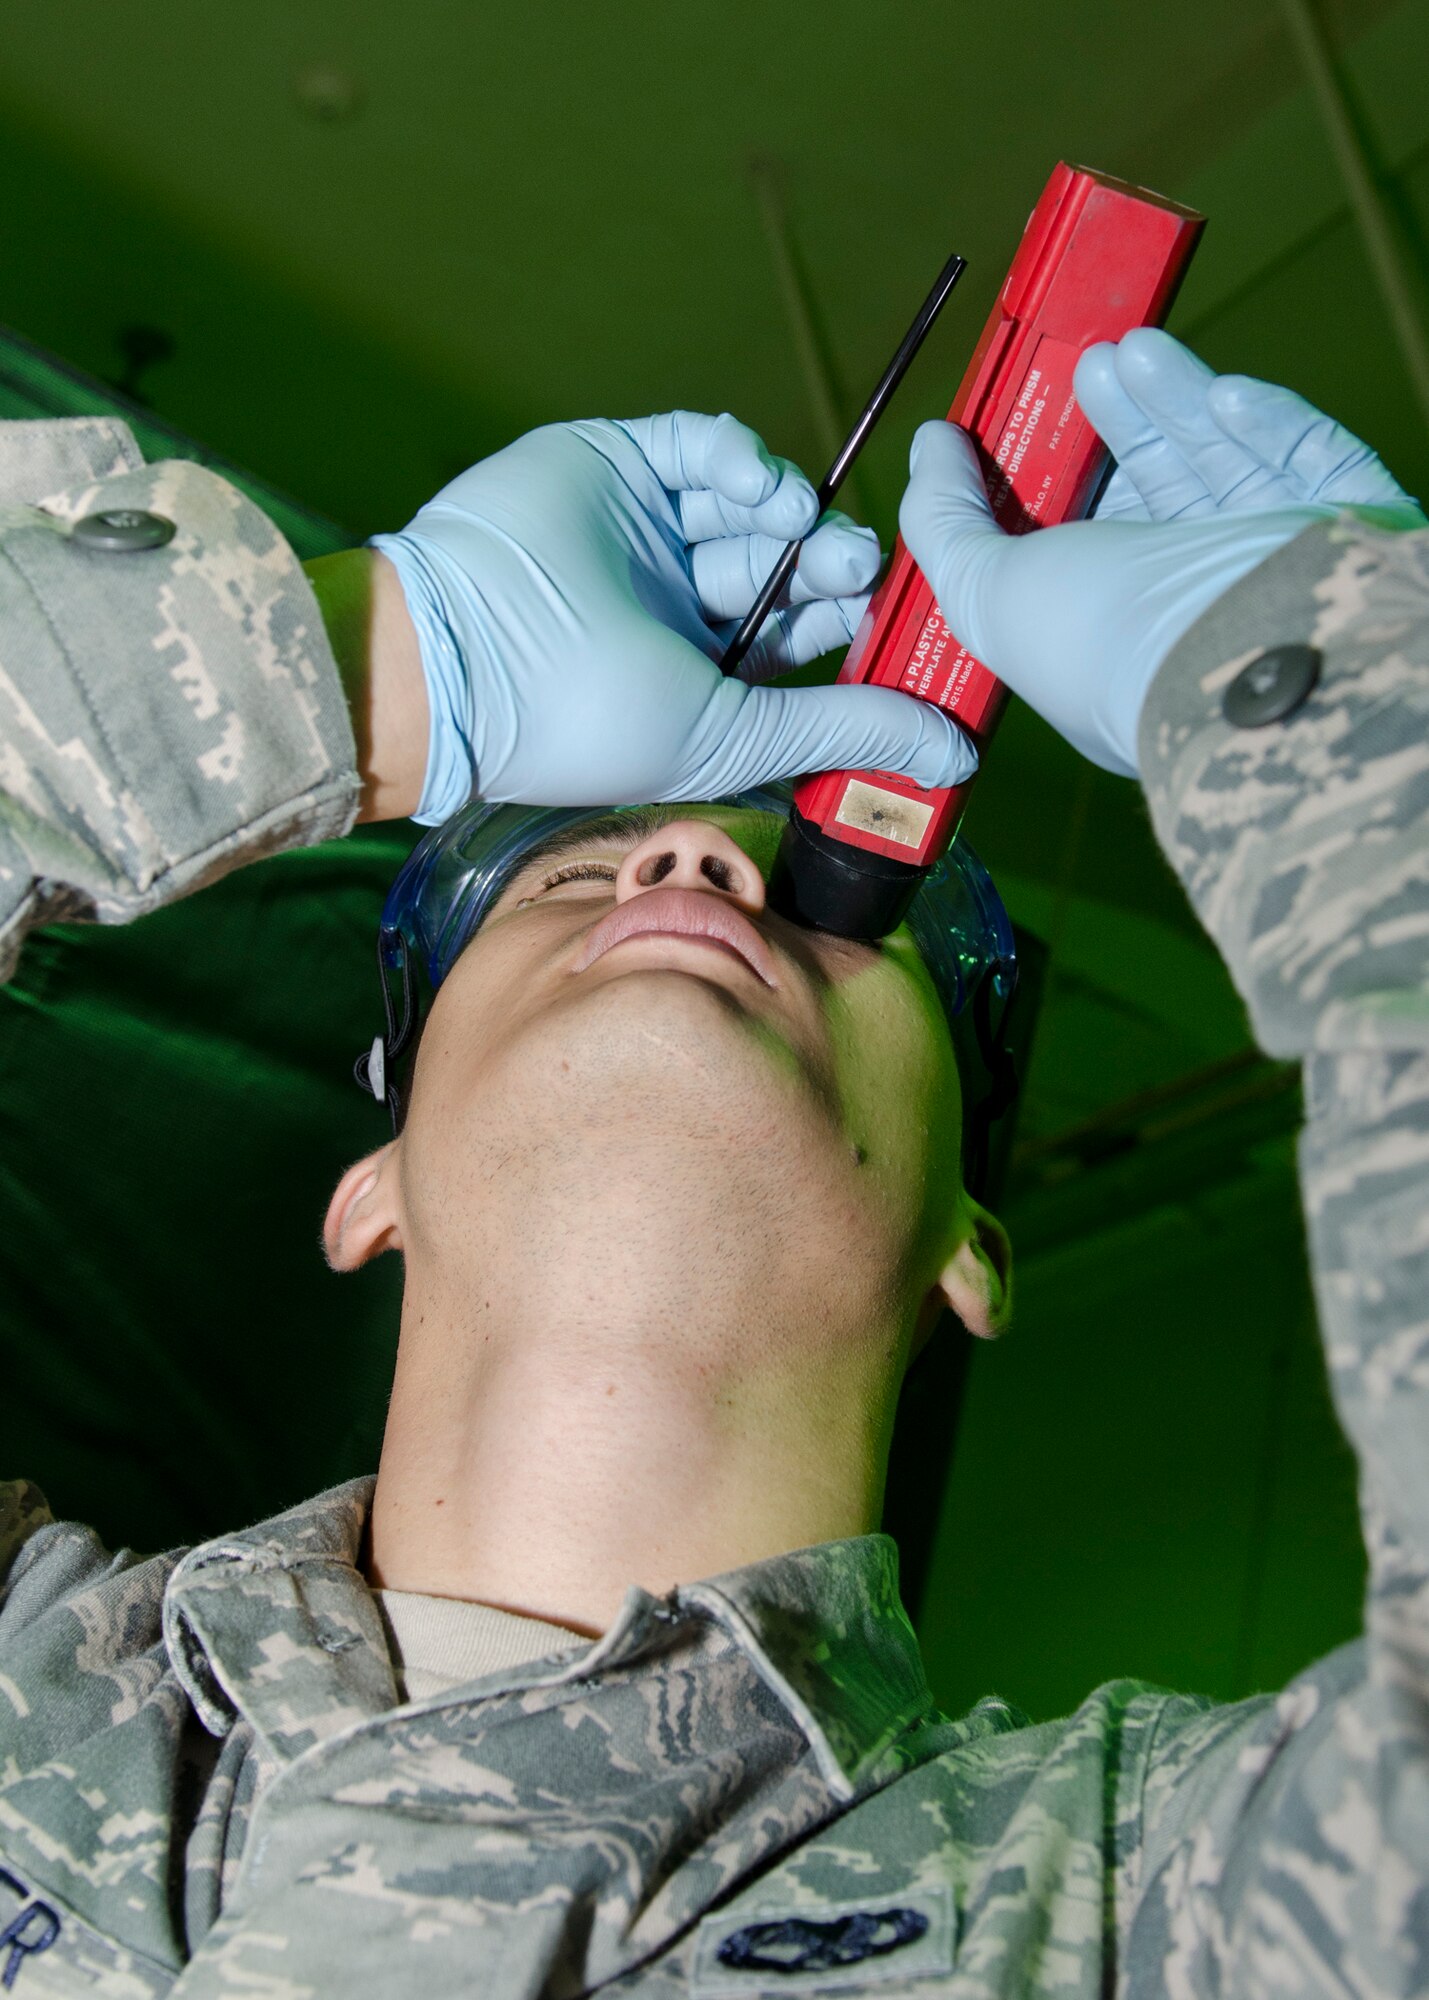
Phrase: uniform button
pixel 1271 687
pixel 121 530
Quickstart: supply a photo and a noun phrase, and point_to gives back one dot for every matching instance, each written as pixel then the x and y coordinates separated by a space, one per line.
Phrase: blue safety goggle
pixel 457 871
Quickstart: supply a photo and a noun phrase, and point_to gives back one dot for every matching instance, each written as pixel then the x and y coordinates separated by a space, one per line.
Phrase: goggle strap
pixel 999 1067
pixel 997 1055
pixel 389 1048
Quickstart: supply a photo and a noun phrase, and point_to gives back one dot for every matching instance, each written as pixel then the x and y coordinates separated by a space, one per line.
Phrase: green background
pixel 382 243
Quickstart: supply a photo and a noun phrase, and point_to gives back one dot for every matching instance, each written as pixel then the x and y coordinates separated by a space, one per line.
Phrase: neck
pixel 626 1410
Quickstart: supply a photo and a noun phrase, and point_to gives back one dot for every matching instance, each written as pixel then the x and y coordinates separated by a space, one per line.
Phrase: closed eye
pixel 576 871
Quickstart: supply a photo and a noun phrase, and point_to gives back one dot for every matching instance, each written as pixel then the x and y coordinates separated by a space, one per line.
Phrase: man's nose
pixel 691 854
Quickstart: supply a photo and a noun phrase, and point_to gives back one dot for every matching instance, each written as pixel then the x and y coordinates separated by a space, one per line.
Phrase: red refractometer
pixel 1098 257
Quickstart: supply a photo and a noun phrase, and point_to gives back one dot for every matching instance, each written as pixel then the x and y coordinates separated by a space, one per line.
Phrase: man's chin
pixel 658 1048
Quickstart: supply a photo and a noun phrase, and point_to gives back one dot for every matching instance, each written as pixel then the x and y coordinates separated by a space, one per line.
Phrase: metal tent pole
pixel 1400 285
pixel 829 427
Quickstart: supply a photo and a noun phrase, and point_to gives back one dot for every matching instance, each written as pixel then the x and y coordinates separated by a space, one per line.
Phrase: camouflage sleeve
pixel 166 713
pixel 1287 1848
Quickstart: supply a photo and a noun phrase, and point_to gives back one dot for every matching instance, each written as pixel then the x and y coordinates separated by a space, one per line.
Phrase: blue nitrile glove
pixel 1214 474
pixel 572 593
pixel 1189 443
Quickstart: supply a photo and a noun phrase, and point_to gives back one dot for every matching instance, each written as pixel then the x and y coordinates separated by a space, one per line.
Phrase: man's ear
pixel 976 1281
pixel 361 1220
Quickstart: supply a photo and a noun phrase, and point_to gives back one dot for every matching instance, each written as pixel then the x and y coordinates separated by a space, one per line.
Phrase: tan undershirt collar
pixel 441 1642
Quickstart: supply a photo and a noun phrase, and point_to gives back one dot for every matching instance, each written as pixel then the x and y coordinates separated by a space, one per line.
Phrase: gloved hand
pixel 572 593
pixel 1213 475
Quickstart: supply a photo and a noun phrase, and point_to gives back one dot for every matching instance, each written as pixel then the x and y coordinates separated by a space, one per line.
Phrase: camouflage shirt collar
pixel 826 1628
pixel 276 1623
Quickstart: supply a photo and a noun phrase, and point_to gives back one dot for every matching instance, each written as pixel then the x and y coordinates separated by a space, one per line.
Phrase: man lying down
pixel 604 1684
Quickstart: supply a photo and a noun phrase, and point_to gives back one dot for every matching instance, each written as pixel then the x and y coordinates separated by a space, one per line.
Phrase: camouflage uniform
pixel 207 1785
pixel 165 714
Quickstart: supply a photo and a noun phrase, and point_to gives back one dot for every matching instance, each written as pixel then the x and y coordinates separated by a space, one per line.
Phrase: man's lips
pixel 693 913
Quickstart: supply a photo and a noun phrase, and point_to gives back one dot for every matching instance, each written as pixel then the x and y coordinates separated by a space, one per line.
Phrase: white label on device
pixel 888 814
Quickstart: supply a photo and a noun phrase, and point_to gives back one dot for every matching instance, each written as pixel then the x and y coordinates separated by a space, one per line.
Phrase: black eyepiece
pixel 828 885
